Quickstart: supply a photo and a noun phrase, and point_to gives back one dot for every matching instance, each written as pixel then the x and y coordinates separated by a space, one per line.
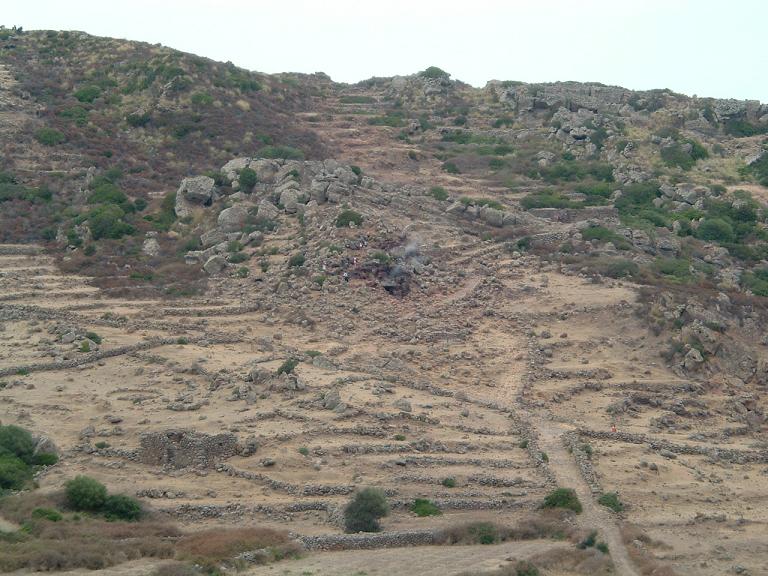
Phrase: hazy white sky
pixel 705 47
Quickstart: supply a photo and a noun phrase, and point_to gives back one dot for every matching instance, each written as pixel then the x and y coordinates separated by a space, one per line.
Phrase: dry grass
pixel 214 547
pixel 548 524
pixel 588 562
pixel 641 555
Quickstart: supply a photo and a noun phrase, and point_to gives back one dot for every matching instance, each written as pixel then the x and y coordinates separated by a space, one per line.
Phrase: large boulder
pixel 267 210
pixel 231 169
pixel 194 191
pixel 215 264
pixel 265 169
pixel 317 190
pixel 289 199
pixel 233 219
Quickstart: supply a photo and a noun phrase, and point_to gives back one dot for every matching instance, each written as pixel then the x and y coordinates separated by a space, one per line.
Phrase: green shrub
pixel 434 72
pixel 85 493
pixel 602 546
pixel 304 451
pixel 357 100
pixel 715 229
pixel 49 136
pixel 348 217
pixel 247 179
pixel 296 260
pixel 570 170
pixel 563 498
pixel 423 507
pixel 44 459
pixel 238 257
pixel 611 500
pixel 483 533
pixel 93 337
pixel 106 221
pixel 17 442
pixel 287 152
pixel 741 128
pixel 677 155
pixel 505 121
pixel 105 192
pixel 14 472
pixel 490 203
pixel 677 269
pixel 121 507
pixel 438 193
pixel 363 513
pixel 47 514
pixel 76 114
pixel 589 541
pixel 288 366
pixel 449 482
pixel 547 199
pixel 756 280
pixel 201 99
pixel 602 234
pixel 620 268
pixel 393 119
pixel 138 120
pixel 451 168
pixel 400 437
pixel 88 94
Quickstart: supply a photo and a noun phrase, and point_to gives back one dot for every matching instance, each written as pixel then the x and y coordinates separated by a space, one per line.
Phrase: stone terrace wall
pixel 185 448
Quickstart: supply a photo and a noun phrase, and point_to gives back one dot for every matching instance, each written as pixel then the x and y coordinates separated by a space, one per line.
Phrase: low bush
pixel 357 99
pixel 49 136
pixel 86 494
pixel 348 217
pixel 211 549
pixel 423 507
pixel 107 221
pixel 448 482
pixel 434 72
pixel 288 366
pixel 602 234
pixel 563 498
pixel 47 514
pixel 296 260
pixel 438 193
pixel 88 94
pixel 611 500
pixel 121 507
pixel 237 257
pixel 490 203
pixel 247 179
pixel 14 473
pixel 365 510
pixel 287 152
pixel 451 168
pixel 715 229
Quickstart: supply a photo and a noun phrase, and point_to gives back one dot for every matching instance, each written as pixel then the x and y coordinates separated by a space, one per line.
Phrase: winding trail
pixel 568 475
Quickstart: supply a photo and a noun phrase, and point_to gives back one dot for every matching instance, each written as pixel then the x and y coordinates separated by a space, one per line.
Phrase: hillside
pixel 241 298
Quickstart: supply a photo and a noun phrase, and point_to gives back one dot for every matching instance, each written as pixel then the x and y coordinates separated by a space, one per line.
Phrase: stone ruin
pixel 185 448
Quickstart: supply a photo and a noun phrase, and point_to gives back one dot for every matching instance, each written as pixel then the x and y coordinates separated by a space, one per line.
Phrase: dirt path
pixel 568 475
pixel 421 560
